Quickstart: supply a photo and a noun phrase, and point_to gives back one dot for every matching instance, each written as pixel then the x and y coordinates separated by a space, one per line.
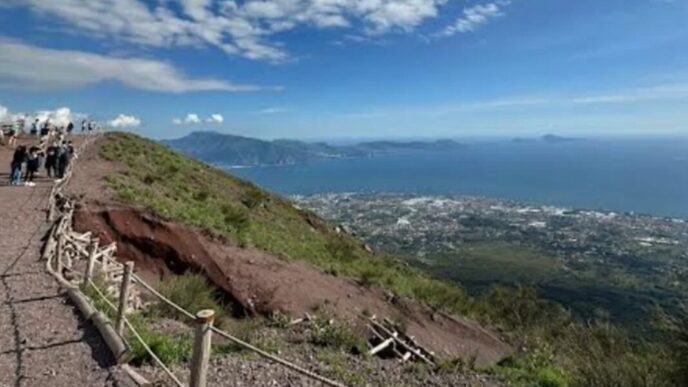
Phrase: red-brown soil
pixel 261 283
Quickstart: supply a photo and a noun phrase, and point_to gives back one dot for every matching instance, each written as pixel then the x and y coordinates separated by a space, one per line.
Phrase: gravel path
pixel 43 341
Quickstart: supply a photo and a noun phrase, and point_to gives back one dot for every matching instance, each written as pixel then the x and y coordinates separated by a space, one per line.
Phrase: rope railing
pixel 64 248
pixel 138 337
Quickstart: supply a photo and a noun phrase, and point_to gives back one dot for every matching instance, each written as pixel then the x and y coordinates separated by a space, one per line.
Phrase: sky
pixel 326 69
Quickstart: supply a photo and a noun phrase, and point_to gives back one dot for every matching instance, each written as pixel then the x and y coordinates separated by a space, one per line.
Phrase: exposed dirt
pixel 262 283
pixel 258 282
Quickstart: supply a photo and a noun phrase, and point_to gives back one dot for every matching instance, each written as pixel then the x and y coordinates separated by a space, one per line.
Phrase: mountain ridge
pixel 234 150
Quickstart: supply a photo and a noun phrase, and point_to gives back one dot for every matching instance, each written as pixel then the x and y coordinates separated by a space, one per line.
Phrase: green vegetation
pixel 339 368
pixel 589 292
pixel 554 348
pixel 191 292
pixel 193 193
pixel 329 333
pixel 171 349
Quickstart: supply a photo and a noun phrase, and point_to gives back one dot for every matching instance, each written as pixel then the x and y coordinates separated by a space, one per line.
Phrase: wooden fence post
pixel 124 297
pixel 51 208
pixel 201 349
pixel 88 276
pixel 59 252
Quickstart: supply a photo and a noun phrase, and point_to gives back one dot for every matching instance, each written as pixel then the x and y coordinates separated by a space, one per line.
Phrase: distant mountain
pixel 389 146
pixel 226 149
pixel 552 138
pixel 548 138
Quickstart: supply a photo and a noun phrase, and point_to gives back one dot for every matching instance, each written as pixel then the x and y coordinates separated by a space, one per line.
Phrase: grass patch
pixel 338 368
pixel 329 333
pixel 171 349
pixel 193 293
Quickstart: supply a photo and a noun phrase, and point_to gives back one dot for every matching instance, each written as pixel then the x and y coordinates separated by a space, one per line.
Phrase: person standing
pixel 45 130
pixel 34 128
pixel 12 136
pixel 16 165
pixel 33 162
pixel 70 127
pixel 64 157
pixel 51 161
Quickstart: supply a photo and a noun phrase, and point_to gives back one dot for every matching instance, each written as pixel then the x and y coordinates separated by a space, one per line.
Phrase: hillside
pixel 231 150
pixel 177 217
pixel 266 258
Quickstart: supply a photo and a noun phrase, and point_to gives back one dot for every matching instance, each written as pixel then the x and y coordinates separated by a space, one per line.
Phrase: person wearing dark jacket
pixel 33 162
pixel 18 159
pixel 64 157
pixel 51 161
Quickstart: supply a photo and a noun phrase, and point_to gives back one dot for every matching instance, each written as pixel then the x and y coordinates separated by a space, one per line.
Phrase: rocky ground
pixel 244 368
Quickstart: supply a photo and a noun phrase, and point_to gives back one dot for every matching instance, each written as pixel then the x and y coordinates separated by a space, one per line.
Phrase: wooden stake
pixel 60 247
pixel 124 296
pixel 201 350
pixel 91 261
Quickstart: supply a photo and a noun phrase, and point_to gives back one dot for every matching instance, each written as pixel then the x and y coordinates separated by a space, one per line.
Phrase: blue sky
pixel 352 68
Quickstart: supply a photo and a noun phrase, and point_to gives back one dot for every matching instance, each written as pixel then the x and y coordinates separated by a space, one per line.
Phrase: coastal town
pixel 614 253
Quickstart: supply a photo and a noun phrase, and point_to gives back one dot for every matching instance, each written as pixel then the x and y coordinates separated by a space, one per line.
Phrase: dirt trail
pixel 43 342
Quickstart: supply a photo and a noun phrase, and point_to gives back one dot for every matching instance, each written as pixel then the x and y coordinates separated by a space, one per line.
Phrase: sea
pixel 644 176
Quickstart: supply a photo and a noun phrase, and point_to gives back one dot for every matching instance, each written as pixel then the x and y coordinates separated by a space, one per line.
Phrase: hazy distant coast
pixel 230 151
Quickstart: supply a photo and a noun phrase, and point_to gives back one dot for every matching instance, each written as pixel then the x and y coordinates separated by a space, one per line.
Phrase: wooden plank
pixel 135 376
pixel 380 347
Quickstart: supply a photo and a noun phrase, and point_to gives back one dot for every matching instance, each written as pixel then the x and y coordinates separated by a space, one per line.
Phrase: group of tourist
pixel 52 151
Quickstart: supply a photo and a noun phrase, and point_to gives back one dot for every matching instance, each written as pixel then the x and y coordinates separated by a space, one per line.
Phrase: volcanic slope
pixel 174 215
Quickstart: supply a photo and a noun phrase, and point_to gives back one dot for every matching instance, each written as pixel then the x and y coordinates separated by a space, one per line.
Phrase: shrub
pixel 235 217
pixel 190 291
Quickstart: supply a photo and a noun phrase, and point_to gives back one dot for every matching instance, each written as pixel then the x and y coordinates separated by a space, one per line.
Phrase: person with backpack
pixel 18 160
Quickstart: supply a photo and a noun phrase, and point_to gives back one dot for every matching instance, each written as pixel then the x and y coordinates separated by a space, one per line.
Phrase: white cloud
pixel 194 119
pixel 246 28
pixel 125 121
pixel 62 69
pixel 475 17
pixel 271 110
pixel 675 92
pixel 215 119
pixel 190 119
pixel 4 113
pixel 61 116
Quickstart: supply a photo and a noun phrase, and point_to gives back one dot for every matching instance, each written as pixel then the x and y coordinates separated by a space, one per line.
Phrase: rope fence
pixel 63 252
